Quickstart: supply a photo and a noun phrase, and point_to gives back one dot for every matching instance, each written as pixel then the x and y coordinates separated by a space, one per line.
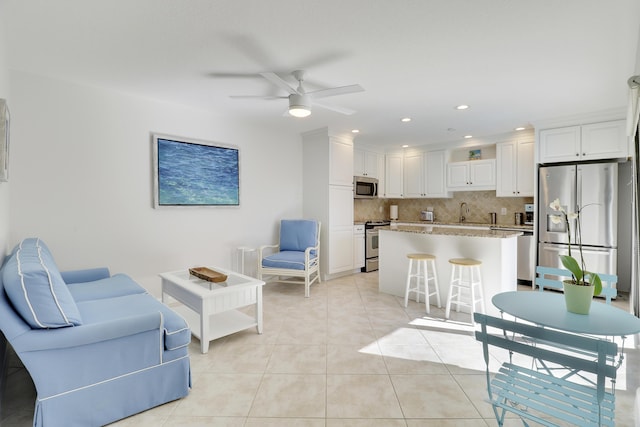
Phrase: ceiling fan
pixel 300 101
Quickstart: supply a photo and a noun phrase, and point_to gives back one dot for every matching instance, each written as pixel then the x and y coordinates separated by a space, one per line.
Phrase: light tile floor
pixel 346 356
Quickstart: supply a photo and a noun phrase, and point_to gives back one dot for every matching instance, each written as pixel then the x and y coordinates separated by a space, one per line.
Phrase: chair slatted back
pixel 551 278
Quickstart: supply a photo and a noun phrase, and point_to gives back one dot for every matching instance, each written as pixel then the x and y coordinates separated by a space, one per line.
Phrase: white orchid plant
pixel 580 274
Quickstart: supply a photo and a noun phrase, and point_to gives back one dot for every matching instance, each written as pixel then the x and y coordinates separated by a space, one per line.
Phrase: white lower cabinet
pixel 340 229
pixel 358 246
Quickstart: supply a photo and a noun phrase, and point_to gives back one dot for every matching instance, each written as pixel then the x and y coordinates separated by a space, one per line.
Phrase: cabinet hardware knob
pixel 577 154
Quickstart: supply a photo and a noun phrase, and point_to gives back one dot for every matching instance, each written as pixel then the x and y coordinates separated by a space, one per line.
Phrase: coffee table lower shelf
pixel 220 324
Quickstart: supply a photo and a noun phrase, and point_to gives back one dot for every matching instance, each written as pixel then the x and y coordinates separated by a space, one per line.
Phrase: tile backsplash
pixel 480 204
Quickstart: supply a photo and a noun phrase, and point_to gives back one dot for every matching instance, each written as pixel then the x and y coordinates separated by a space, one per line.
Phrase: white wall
pixel 82 181
pixel 4 93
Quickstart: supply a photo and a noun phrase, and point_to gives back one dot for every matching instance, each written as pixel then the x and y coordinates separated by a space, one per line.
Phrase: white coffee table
pixel 210 308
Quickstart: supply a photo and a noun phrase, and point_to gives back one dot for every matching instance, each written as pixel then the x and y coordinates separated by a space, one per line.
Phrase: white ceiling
pixel 515 62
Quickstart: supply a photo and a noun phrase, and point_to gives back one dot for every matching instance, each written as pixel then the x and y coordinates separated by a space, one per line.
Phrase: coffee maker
pixel 528 213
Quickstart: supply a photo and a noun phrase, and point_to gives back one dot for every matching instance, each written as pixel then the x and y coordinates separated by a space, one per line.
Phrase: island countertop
pixel 454 231
pixel 497 250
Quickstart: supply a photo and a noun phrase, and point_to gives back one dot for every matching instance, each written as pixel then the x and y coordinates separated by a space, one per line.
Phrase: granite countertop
pixel 452 231
pixel 466 224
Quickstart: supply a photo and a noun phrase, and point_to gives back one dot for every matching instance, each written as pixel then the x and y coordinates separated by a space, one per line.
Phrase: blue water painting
pixel 197 174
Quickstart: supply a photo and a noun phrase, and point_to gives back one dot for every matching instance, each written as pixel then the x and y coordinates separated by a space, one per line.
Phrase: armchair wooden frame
pixel 309 275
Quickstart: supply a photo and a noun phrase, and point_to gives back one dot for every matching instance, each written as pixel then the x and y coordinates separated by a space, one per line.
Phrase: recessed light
pixel 406 119
pixel 468 136
pixel 520 128
pixel 355 130
pixel 462 107
pixel 405 146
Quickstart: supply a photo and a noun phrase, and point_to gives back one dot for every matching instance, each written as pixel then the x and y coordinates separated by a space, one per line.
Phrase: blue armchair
pixel 296 258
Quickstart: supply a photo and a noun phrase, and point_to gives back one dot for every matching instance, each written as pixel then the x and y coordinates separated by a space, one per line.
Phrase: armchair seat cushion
pixel 291 260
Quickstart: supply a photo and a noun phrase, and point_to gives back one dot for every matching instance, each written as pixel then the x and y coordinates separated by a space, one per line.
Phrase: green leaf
pixel 595 280
pixel 572 265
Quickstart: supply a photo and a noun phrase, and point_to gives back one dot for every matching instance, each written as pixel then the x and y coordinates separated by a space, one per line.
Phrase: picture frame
pixel 191 172
pixel 475 154
pixel 5 119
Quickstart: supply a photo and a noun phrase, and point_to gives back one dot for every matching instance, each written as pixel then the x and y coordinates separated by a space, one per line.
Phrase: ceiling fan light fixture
pixel 299 105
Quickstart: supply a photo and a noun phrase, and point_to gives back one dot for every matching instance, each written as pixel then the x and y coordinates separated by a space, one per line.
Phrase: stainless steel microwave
pixel 365 187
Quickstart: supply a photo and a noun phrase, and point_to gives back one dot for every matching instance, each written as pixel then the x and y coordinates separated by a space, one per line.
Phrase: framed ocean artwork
pixel 189 172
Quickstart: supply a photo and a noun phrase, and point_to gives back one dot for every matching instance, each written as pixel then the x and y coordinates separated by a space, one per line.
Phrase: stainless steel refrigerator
pixel 593 187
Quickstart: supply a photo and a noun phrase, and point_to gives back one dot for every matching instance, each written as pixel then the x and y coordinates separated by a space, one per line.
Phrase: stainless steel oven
pixel 371 244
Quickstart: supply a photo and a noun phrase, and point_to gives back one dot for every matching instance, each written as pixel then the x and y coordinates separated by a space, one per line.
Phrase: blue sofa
pixel 98 347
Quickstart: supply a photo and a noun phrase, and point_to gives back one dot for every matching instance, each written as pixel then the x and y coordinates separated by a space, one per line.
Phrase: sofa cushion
pixel 35 288
pixel 298 234
pixel 114 286
pixel 176 331
pixel 291 260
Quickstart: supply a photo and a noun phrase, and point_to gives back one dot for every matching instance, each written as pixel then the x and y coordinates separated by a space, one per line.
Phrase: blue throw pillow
pixel 35 287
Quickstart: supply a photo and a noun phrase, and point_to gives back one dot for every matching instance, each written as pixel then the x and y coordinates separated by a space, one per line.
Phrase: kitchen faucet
pixel 463 209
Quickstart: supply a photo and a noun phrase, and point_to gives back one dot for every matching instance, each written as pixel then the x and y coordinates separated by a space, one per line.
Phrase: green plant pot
pixel 577 297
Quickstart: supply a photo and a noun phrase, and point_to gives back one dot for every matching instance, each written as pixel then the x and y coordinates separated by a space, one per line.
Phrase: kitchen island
pixel 495 248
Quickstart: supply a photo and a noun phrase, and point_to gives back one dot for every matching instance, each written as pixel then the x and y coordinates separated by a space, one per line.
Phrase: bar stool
pixel 465 274
pixel 424 263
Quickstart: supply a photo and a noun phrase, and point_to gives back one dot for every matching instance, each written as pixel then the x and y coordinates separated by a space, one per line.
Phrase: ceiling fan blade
pixel 337 109
pixel 342 90
pixel 223 75
pixel 256 97
pixel 276 80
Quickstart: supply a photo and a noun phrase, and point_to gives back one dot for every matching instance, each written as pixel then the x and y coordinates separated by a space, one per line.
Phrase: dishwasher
pixel 526 253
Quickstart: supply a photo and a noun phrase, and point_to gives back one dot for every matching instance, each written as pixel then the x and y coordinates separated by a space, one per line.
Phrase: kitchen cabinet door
pixel 340 249
pixel 506 165
pixel 435 170
pixel 560 144
pixel 358 250
pixel 514 169
pixel 393 176
pixel 472 175
pixel 340 162
pixel 458 175
pixel 482 173
pixel 413 168
pixel 365 163
pixel 525 173
pixel 606 140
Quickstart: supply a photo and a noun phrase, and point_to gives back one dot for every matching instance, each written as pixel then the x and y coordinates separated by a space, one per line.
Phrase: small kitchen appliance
pixel 528 213
pixel 426 216
pixel 365 187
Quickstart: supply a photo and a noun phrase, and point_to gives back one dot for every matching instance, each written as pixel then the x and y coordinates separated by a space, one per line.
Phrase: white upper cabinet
pixel 393 176
pixel 514 169
pixel 413 168
pixel 596 141
pixel 472 175
pixel 425 174
pixel 606 140
pixel 365 163
pixel 435 163
pixel 340 162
